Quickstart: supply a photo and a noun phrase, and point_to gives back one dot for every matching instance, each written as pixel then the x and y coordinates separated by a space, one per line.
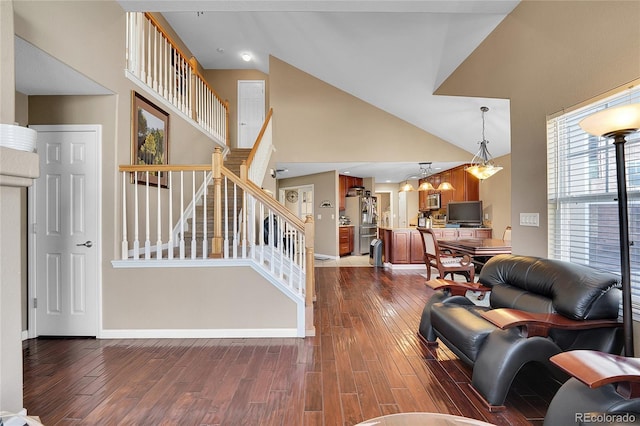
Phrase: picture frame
pixel 149 139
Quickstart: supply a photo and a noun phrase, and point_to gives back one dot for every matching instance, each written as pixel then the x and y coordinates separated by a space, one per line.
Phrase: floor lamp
pixel 617 123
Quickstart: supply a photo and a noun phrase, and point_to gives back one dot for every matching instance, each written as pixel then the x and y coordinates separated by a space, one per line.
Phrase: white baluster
pixel 181 214
pixel 281 243
pixel 125 244
pixel 170 244
pixel 159 226
pixel 235 221
pixel 136 241
pixel 205 238
pixel 243 224
pixel 147 241
pixel 226 218
pixel 193 216
pixel 260 235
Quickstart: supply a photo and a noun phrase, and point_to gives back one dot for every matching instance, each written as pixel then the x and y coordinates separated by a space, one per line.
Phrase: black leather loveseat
pixel 538 308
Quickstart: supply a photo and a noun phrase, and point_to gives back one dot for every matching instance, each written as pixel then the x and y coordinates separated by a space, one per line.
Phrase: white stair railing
pixel 254 226
pixel 259 157
pixel 155 61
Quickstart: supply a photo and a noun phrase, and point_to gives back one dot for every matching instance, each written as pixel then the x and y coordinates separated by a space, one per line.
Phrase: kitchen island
pixel 403 246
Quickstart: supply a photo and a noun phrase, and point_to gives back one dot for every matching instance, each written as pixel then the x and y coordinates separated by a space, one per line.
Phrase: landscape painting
pixel 150 142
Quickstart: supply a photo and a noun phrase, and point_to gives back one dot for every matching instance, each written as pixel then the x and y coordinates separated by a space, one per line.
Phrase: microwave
pixel 433 201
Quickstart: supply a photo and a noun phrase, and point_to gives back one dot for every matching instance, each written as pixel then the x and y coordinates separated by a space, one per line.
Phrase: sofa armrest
pixel 456 288
pixel 538 324
pixel 596 369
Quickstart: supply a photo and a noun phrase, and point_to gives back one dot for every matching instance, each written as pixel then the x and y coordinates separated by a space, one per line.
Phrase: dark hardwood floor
pixel 365 361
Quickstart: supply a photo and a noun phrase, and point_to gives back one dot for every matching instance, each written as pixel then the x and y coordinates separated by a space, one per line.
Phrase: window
pixel 582 193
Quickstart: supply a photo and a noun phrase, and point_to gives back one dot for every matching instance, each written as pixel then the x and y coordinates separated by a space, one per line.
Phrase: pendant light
pixel 482 165
pixel 425 186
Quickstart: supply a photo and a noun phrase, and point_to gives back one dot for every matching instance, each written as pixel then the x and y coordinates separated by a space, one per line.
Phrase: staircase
pixel 233 161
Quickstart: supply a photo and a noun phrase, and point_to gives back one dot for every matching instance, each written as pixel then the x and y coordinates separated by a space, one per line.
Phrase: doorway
pixel 251 111
pixel 299 200
pixel 65 221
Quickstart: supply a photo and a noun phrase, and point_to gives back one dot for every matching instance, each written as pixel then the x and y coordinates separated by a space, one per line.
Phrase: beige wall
pixel 546 56
pixel 495 194
pixel 325 187
pixel 316 122
pixel 225 83
pixel 195 299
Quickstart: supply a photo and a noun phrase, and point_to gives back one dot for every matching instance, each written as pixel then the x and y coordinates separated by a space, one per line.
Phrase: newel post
pixel 244 172
pixel 216 241
pixel 309 237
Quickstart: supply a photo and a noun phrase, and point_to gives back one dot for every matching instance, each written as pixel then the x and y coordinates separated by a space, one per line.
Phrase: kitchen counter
pixel 404 245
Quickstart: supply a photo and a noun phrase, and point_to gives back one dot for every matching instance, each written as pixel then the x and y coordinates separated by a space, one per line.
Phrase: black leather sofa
pixel 542 307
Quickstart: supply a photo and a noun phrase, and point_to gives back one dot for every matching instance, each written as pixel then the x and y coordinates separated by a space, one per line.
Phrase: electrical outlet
pixel 530 219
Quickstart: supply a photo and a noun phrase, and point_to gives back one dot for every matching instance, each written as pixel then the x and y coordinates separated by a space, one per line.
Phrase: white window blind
pixel 582 193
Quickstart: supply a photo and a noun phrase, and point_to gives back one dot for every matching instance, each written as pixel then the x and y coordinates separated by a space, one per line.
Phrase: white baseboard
pixel 198 333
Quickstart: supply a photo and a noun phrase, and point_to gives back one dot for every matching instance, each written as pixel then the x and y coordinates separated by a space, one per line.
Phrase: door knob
pixel 86 244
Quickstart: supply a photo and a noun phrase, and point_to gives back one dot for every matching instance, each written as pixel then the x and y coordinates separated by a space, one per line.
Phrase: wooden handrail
pixel 258 192
pixel 195 69
pixel 254 149
pixel 164 167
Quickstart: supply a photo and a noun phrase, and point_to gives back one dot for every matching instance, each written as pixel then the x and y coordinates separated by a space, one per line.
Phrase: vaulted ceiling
pixel 392 54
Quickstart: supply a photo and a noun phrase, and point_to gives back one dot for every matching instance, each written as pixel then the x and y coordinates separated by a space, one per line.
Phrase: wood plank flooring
pixel 365 361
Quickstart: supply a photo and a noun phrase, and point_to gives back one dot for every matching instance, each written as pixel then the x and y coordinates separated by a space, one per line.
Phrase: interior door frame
pixel 264 106
pixel 32 246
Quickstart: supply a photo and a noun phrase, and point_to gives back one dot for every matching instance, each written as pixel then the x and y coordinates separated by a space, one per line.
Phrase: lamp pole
pixel 623 223
pixel 617 123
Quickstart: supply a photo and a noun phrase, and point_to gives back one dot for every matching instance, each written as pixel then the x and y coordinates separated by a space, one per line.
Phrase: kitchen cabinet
pixel 467 187
pixel 416 251
pixel 404 245
pixel 346 235
pixel 401 247
pixel 344 183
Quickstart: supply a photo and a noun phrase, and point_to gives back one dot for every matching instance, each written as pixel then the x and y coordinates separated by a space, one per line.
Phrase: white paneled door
pixel 251 108
pixel 64 203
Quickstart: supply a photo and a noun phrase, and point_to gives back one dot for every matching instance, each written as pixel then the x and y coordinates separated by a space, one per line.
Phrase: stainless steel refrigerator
pixel 363 214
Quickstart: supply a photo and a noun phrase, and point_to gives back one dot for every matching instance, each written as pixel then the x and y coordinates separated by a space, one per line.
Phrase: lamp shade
pixel 445 186
pixel 426 186
pixel 406 187
pixel 483 171
pixel 622 119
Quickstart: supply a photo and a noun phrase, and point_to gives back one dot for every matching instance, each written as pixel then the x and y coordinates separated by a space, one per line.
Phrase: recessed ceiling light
pixel 246 57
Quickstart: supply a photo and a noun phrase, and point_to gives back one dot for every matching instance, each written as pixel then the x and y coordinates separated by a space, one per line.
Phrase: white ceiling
pixel 390 53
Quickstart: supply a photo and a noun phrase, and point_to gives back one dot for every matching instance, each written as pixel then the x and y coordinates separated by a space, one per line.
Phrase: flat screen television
pixel 465 213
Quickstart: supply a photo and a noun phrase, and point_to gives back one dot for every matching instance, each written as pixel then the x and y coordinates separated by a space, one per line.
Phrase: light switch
pixel 530 219
pixel 319 216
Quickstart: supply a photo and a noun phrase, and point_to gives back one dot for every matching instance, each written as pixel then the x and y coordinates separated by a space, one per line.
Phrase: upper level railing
pixel 156 61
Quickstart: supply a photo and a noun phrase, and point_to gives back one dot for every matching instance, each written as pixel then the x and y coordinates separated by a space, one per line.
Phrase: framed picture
pixel 150 138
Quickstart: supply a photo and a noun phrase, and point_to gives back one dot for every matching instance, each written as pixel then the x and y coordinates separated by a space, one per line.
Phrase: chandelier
pixel 424 186
pixel 482 165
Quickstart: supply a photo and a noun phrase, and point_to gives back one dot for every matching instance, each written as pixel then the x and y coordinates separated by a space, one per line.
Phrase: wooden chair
pixel 445 263
pixel 507 234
